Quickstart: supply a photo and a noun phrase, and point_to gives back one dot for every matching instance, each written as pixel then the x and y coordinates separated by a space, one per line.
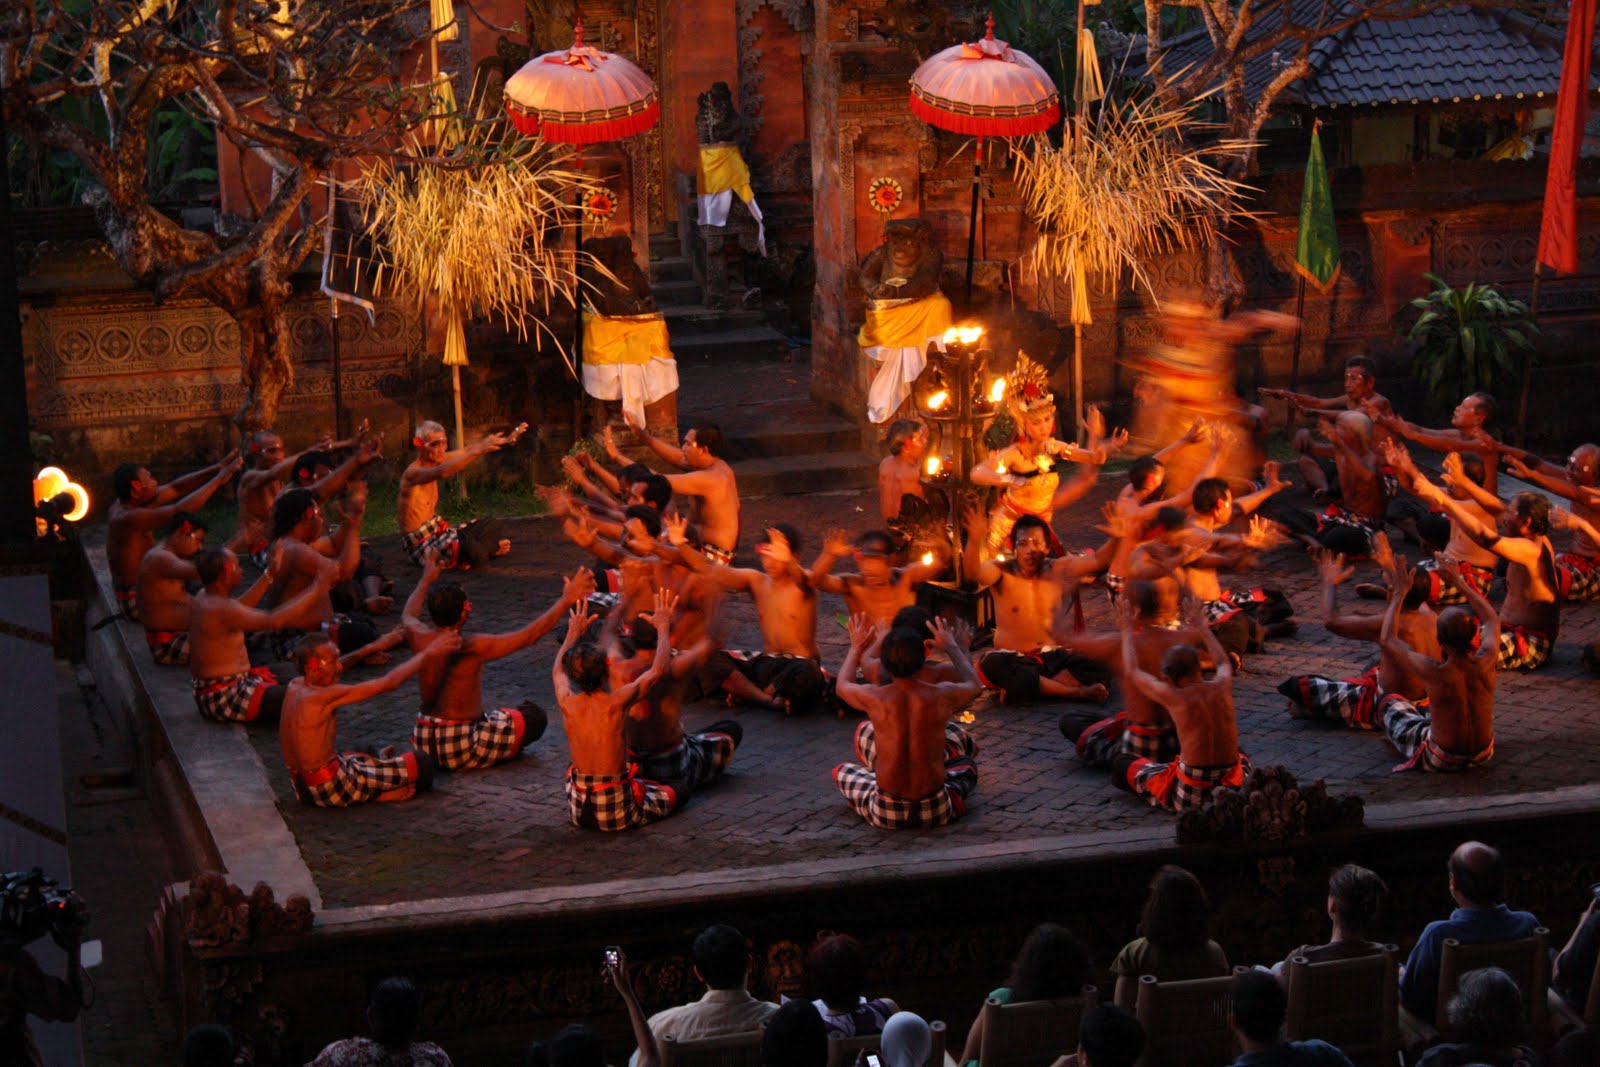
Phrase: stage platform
pixel 484 890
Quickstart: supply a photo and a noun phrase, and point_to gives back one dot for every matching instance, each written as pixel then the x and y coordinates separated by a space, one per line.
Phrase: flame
pixel 938 400
pixel 997 391
pixel 1000 467
pixel 48 482
pixel 932 465
pixel 927 557
pixel 80 502
pixel 962 334
pixel 950 335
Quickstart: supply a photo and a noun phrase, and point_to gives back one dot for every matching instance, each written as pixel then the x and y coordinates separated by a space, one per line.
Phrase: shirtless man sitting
pixel 1142 728
pixel 162 588
pixel 1475 565
pixel 1530 614
pixel 787 674
pixel 1201 710
pixel 604 792
pixel 1029 591
pixel 880 589
pixel 706 477
pixel 421 526
pixel 142 507
pixel 916 766
pixel 639 563
pixel 1348 525
pixel 1466 434
pixel 1360 394
pixel 1355 701
pixel 657 742
pixel 267 467
pixel 453 727
pixel 304 551
pixel 226 687
pixel 900 472
pixel 322 775
pixel 1579 482
pixel 1457 730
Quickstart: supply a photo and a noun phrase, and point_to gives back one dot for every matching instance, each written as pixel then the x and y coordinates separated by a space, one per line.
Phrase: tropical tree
pixel 1470 340
pixel 298 85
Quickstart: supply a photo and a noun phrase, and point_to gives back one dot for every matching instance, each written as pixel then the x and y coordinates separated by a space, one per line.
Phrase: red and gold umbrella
pixel 581 95
pixel 984 89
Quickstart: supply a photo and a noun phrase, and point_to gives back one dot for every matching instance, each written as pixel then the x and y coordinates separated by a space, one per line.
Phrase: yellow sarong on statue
pixel 896 335
pixel 722 174
pixel 628 358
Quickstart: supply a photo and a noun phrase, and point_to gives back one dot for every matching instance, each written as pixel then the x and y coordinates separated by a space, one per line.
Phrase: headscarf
pixel 906 1041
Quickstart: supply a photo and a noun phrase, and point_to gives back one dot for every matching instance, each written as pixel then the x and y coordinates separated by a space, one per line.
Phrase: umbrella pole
pixel 577 317
pixel 455 390
pixel 1077 383
pixel 972 217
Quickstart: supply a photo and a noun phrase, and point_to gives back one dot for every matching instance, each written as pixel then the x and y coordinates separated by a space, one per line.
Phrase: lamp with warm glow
pixel 997 391
pixel 932 467
pixel 938 400
pixel 57 499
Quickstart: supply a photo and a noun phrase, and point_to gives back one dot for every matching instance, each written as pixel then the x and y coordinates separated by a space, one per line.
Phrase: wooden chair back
pixel 1351 1003
pixel 1032 1032
pixel 1186 1023
pixel 845 1051
pixel 729 1050
pixel 1526 959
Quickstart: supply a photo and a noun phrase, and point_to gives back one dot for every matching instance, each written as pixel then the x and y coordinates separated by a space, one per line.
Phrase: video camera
pixel 32 905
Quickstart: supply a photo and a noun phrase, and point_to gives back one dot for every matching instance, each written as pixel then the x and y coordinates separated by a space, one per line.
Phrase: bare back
pixel 1461 703
pixel 1208 733
pixel 594 727
pixel 216 640
pixel 908 717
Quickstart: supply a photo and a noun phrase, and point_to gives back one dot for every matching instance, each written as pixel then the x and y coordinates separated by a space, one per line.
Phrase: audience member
pixel 1356 899
pixel 794 1036
pixel 1259 1007
pixel 1574 967
pixel 1108 1037
pixel 838 970
pixel 1486 1013
pixel 393 1012
pixel 1577 1048
pixel 576 1045
pixel 208 1045
pixel 1052 963
pixel 1175 943
pixel 1478 886
pixel 907 1041
pixel 722 962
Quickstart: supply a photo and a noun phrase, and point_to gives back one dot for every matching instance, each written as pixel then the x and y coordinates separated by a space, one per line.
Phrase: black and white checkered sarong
pixel 459 745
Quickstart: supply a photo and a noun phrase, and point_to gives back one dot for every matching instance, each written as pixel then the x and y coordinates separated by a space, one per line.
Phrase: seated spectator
pixel 1478 885
pixel 1052 963
pixel 1577 1048
pixel 794 1037
pixel 1574 968
pixel 907 1041
pixel 838 969
pixel 575 1046
pixel 1356 899
pixel 1176 945
pixel 722 962
pixel 208 1045
pixel 1486 1012
pixel 392 1014
pixel 1259 1007
pixel 1108 1037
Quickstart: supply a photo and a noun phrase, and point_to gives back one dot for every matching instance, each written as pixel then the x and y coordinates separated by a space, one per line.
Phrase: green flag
pixel 1316 253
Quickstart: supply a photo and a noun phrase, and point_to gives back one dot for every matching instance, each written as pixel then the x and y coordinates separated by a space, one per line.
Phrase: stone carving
pixel 716 120
pixel 216 912
pixel 785 970
pixel 1270 807
pixel 627 291
pixel 1413 229
pixel 906 265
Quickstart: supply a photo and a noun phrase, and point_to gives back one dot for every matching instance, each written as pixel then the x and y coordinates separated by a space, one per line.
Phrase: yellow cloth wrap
pixel 723 168
pixel 625 338
pixel 909 324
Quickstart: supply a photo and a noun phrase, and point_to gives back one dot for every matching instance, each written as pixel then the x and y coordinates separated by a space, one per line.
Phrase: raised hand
pixel 1263 533
pixel 557 499
pixel 578 620
pixel 1382 552
pixel 1449 570
pixel 862 631
pixel 432 563
pixel 1094 422
pixel 232 461
pixel 1331 566
pixel 355 500
pixel 1118 523
pixel 677 530
pixel 1400 582
pixel 1514 464
pixel 975 519
pixel 776 547
pixel 1269 475
pixel 634 424
pixel 666 603
pixel 576 590
pixel 371 447
pixel 960 632
pixel 836 542
pixel 583 531
pixel 516 434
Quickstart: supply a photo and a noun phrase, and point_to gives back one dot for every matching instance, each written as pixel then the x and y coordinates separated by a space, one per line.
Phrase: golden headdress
pixel 1028 391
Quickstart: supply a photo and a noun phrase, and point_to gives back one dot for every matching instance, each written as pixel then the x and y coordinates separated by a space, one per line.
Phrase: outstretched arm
pixel 185 485
pixel 329 485
pixel 1194 617
pixel 669 452
pixel 1272 484
pixel 574 590
pixel 953 639
pixel 979 567
pixel 835 546
pixel 677 531
pixel 151 518
pixel 455 461
pixel 447 643
pixel 1456 475
pixel 1399 584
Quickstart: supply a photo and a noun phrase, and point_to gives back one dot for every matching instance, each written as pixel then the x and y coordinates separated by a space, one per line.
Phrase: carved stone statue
pixel 722 175
pixel 716 120
pixel 627 292
pixel 906 266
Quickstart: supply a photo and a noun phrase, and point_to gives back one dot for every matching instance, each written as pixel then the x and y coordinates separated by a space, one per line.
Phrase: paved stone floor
pixel 506 828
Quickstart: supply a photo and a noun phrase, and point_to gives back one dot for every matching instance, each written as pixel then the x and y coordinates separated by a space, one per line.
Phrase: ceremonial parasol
pixel 581 95
pixel 984 89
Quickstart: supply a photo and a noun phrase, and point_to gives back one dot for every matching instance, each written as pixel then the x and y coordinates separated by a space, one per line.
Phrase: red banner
pixel 1558 230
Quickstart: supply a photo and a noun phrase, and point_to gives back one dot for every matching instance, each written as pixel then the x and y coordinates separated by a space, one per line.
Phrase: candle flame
pixel 938 400
pixel 968 334
pixel 1000 467
pixel 997 391
pixel 927 557
pixel 933 465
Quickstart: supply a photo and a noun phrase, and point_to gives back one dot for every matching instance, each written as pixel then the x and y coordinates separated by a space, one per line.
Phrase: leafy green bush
pixel 1470 339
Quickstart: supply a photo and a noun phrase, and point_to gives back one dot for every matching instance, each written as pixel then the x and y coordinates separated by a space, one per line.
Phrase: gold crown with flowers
pixel 1028 391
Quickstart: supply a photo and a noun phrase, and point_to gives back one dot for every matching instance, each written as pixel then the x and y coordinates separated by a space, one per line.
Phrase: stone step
pixel 671 268
pixel 810 473
pixel 827 435
pixel 664 246
pixel 676 292
pixel 741 344
pixel 697 318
